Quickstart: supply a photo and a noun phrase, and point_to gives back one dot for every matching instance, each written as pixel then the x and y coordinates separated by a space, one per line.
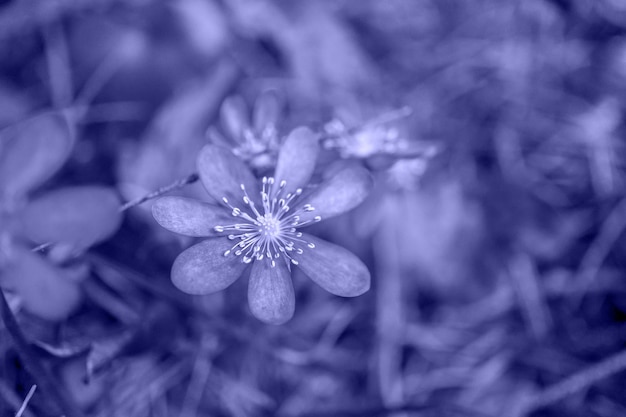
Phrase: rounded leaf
pixel 204 269
pixel 270 292
pixel 222 175
pixel 78 216
pixel 297 158
pixel 189 217
pixel 31 152
pixel 332 267
pixel 45 290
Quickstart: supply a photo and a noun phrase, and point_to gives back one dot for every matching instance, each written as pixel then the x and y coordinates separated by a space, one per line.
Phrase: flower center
pixel 256 144
pixel 271 226
pixel 270 231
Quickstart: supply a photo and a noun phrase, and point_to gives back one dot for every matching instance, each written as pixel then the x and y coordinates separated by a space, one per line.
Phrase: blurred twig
pixel 41 247
pixel 202 369
pixel 59 67
pixel 593 259
pixel 577 382
pixel 41 375
pixel 11 399
pixel 25 16
pixel 379 410
pixel 523 275
pixel 30 394
pixel 159 381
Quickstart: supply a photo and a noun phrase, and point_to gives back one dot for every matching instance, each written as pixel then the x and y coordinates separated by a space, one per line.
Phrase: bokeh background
pixel 496 245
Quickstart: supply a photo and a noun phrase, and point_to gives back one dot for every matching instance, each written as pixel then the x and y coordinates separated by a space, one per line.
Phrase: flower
pixel 372 138
pixel 378 142
pixel 362 143
pixel 258 222
pixel 255 137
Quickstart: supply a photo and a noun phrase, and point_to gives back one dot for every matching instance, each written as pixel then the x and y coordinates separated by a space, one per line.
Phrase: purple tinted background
pixel 497 264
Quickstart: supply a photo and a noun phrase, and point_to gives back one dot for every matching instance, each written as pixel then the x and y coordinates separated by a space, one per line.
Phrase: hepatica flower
pixel 252 135
pixel 363 142
pixel 258 223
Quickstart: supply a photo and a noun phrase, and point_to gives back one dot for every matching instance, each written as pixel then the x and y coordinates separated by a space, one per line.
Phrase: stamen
pixel 272 232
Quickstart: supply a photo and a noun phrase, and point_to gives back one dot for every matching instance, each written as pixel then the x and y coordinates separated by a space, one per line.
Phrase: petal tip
pixel 271 297
pixel 202 270
pixel 334 268
pixel 363 287
pixel 272 319
pixel 357 286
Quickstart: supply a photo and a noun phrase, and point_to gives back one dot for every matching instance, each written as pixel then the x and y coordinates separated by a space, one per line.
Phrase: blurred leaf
pixel 14 104
pixel 81 216
pixel 103 352
pixel 322 53
pixel 108 301
pixel 62 351
pixel 204 25
pixel 45 291
pixel 84 392
pixel 31 152
pixel 157 329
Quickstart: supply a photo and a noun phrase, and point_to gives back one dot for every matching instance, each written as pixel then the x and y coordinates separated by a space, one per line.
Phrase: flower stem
pixel 189 179
pixel 390 317
pixel 41 375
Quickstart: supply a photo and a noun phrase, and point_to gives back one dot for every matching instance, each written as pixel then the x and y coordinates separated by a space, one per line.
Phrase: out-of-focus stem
pixel 389 314
pixel 21 18
pixel 576 383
